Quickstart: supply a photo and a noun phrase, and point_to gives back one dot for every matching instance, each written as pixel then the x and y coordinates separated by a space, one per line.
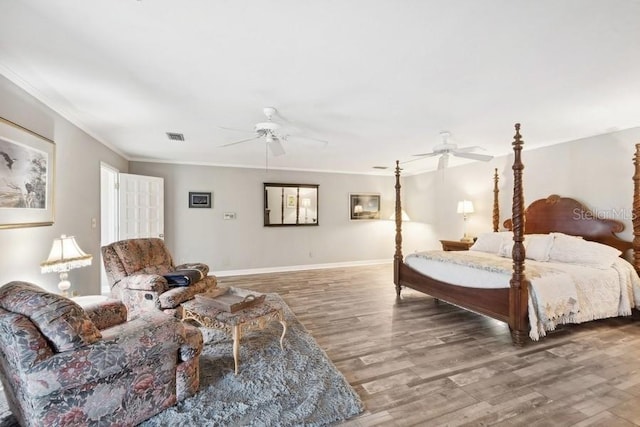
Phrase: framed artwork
pixel 364 206
pixel 27 165
pixel 199 199
pixel 291 201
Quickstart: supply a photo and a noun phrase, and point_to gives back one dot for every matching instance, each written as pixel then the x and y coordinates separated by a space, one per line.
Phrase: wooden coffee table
pixel 235 324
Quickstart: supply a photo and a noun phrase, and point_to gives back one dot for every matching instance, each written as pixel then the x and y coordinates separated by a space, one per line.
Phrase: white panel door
pixel 141 206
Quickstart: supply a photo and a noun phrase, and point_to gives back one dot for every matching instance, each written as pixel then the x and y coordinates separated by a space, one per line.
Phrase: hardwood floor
pixel 417 362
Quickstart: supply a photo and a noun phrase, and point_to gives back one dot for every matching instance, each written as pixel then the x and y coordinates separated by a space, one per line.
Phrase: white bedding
pixel 559 293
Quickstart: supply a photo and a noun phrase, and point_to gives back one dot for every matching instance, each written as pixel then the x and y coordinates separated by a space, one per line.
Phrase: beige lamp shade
pixel 403 216
pixel 465 206
pixel 65 255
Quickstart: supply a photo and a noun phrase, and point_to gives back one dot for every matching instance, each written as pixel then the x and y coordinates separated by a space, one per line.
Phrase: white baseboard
pixel 226 273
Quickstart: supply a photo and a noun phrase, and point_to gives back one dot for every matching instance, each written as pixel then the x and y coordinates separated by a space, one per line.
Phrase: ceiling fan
pixel 272 132
pixel 447 149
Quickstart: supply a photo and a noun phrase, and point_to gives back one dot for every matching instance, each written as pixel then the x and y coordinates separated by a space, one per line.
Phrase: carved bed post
pixel 635 214
pixel 518 292
pixel 397 257
pixel 496 204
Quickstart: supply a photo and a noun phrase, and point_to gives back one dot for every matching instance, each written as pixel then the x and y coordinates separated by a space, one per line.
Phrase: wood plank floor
pixel 417 362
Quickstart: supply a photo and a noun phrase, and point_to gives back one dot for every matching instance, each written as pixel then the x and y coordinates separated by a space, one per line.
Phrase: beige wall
pixel 77 195
pixel 244 243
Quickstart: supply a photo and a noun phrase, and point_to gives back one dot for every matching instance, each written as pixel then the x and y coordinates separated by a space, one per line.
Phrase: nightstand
pixel 455 245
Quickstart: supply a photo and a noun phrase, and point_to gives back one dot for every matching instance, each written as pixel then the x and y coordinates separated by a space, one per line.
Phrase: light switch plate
pixel 229 215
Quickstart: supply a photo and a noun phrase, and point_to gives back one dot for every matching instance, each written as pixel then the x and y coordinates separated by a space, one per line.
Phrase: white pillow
pixel 575 250
pixel 538 246
pixel 491 242
pixel 506 248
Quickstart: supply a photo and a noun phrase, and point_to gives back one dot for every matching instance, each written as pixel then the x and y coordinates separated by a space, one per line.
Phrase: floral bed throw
pixel 136 270
pixel 60 368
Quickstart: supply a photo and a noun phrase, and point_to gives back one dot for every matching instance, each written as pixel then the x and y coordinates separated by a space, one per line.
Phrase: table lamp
pixel 465 207
pixel 65 255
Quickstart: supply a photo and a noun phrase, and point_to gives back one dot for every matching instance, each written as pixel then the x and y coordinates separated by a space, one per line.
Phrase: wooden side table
pixel 455 245
pixel 235 324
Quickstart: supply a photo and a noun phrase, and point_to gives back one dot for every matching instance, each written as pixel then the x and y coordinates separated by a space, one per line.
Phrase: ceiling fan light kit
pixel 267 126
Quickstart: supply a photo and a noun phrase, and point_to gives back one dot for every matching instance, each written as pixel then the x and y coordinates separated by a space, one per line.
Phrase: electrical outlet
pixel 94 223
pixel 229 215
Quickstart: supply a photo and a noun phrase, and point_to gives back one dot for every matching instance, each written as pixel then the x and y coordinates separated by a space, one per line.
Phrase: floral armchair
pixel 136 270
pixel 62 365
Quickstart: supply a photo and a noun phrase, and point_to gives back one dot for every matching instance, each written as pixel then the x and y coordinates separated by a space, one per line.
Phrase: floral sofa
pixel 136 270
pixel 65 365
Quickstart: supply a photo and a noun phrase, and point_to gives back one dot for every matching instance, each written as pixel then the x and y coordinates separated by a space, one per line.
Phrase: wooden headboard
pixel 566 215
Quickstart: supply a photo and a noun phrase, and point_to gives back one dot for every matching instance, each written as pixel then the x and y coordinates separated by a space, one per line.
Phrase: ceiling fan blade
pixel 276 147
pixel 443 161
pixel 468 149
pixel 412 160
pixel 425 155
pixel 305 140
pixel 474 156
pixel 235 130
pixel 240 142
pixel 324 141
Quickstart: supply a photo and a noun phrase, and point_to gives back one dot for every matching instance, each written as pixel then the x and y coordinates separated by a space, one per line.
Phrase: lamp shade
pixel 465 207
pixel 65 255
pixel 403 215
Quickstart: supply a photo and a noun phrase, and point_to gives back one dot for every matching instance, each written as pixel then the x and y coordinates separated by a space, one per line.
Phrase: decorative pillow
pixel 538 246
pixel 575 250
pixel 63 322
pixel 491 242
pixel 506 248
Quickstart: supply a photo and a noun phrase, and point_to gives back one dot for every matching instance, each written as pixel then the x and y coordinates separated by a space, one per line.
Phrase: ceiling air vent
pixel 175 136
pixel 380 167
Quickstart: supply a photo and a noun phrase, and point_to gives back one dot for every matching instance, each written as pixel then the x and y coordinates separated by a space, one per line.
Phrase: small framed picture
pixel 291 201
pixel 199 200
pixel 364 206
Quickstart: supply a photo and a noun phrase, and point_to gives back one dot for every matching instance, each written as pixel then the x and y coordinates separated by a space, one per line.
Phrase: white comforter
pixel 559 292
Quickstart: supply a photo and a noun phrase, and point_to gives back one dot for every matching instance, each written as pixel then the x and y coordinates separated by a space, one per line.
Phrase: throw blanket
pixel 559 293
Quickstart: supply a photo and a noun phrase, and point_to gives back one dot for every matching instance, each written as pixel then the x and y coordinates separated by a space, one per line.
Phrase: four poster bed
pixel 491 278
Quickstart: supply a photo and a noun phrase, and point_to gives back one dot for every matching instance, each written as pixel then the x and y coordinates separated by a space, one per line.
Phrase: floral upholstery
pixel 135 269
pixel 60 320
pixel 132 371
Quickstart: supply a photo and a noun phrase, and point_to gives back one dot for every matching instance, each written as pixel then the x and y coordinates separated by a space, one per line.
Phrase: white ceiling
pixel 377 79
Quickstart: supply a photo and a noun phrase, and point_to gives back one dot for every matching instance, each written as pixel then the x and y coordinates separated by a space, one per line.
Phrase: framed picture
pixel 199 199
pixel 27 165
pixel 364 206
pixel 291 201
